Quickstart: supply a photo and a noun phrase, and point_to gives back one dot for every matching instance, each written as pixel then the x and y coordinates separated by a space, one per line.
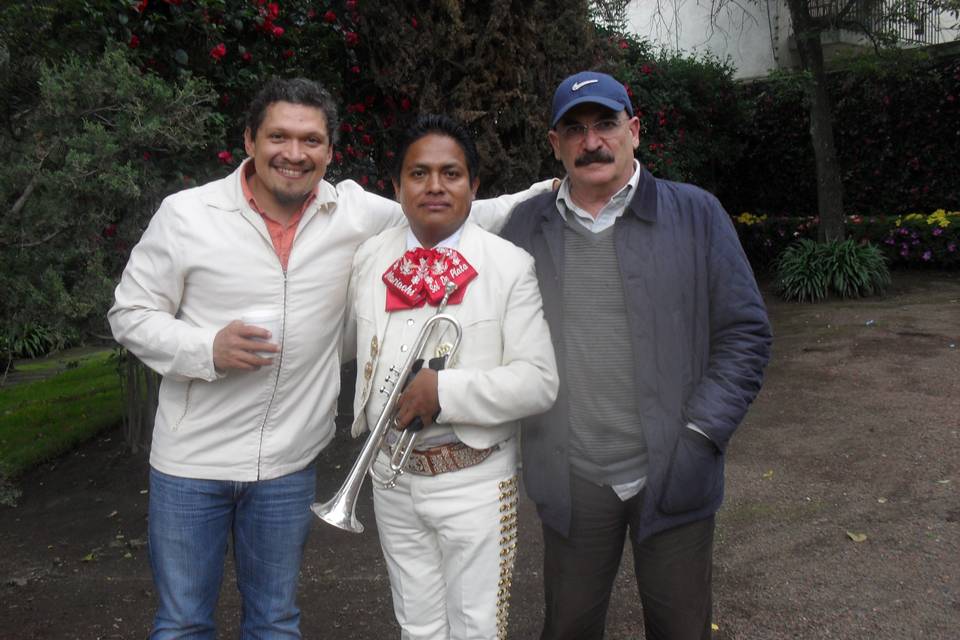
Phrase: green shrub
pixel 894 117
pixel 809 271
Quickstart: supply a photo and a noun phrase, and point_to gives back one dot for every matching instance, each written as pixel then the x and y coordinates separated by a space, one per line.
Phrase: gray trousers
pixel 673 570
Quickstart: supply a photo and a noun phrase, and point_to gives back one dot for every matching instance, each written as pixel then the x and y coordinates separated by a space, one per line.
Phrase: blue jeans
pixel 188 526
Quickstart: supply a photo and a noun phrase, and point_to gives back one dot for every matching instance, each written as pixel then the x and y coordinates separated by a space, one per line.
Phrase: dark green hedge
pixel 897 127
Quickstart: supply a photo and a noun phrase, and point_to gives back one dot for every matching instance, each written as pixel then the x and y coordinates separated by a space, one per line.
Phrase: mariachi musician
pixel 448 525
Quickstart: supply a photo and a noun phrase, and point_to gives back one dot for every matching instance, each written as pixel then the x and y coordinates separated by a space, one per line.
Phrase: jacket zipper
pixel 276 379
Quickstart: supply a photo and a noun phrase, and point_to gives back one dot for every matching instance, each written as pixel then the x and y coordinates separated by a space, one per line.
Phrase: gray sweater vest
pixel 606 441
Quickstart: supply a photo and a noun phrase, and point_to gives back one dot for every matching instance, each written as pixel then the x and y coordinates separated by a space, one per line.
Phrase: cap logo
pixel 580 85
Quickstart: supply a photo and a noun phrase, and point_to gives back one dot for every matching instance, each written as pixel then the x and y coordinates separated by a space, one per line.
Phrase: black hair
pixel 440 125
pixel 296 91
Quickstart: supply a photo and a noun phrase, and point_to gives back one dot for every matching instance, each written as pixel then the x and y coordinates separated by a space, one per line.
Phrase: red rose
pixel 288 54
pixel 346 127
pixel 359 107
pixel 134 42
pixel 351 38
pixel 354 69
pixel 225 157
pixel 414 23
pixel 405 104
pixel 218 52
pixel 624 44
pixel 147 156
pixel 141 6
pixel 110 230
pixel 247 56
pixel 330 17
pixel 351 5
pixel 338 157
pixel 364 180
pixel 273 10
pixel 311 14
pixel 381 185
pixel 366 139
pixel 276 31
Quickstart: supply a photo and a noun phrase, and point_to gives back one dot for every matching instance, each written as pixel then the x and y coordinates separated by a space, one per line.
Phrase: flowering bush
pixel 913 239
pixel 690 109
pixel 895 121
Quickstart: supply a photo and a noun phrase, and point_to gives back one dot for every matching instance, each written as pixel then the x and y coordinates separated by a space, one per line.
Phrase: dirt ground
pixel 842 515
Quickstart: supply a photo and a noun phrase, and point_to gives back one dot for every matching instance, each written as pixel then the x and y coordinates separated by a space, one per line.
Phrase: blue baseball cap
pixel 589 86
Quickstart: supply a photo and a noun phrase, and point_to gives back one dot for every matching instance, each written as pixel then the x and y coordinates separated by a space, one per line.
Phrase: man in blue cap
pixel 661 338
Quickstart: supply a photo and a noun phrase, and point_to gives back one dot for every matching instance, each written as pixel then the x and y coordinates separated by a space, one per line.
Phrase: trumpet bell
pixel 336 512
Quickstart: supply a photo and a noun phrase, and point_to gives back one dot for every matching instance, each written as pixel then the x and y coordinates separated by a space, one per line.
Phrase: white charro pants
pixel 449 542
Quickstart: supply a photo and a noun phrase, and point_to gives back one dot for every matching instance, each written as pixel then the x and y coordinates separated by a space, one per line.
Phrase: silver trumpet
pixel 340 511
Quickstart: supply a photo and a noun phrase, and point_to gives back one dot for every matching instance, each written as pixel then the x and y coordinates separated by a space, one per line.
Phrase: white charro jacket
pixel 205 259
pixel 504 369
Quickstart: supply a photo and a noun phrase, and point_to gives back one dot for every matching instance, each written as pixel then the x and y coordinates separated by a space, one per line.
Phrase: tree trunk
pixel 829 186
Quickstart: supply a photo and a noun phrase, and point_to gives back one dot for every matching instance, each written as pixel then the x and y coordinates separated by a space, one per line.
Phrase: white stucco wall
pixel 752 42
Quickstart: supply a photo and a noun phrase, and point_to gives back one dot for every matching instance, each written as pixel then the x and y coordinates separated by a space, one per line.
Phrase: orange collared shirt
pixel 281 236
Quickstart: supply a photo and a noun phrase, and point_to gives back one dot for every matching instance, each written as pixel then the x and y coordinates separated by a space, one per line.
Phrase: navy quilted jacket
pixel 700 340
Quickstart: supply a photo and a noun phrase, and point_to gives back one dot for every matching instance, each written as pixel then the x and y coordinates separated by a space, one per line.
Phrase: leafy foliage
pixel 914 239
pixel 809 271
pixel 895 125
pixel 84 167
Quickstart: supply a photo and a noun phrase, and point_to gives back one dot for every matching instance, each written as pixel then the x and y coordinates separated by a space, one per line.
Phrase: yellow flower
pixel 747 218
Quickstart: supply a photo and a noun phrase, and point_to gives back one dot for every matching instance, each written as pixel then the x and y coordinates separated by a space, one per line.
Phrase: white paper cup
pixel 269 319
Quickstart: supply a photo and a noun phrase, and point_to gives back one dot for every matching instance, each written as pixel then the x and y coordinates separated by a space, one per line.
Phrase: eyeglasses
pixel 605 129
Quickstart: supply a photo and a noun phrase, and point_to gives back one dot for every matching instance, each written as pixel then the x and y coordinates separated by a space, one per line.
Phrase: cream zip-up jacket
pixel 205 259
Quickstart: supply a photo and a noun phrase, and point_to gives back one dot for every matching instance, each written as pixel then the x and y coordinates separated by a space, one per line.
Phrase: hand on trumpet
pixel 420 399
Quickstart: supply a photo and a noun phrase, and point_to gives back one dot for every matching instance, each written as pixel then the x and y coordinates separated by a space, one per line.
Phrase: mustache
pixel 591 157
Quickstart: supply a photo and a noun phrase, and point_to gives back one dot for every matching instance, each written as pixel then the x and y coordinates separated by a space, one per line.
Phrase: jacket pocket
pixel 693 475
pixel 184 406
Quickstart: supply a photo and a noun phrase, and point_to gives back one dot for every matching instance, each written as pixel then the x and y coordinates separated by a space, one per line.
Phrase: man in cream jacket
pixel 448 525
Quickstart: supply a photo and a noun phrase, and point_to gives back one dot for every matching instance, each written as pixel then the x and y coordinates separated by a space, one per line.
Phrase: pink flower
pixel 381 185
pixel 218 52
pixel 134 41
pixel 624 44
pixel 225 157
pixel 329 17
pixel 927 256
pixel 351 38
pixel 938 231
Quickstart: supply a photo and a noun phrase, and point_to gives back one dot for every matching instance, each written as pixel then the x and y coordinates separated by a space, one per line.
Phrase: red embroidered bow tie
pixel 420 275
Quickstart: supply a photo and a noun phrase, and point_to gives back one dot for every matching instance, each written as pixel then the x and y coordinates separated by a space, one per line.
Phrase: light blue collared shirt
pixel 614 208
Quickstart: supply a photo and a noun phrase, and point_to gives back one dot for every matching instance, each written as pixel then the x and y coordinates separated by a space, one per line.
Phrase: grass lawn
pixel 42 419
